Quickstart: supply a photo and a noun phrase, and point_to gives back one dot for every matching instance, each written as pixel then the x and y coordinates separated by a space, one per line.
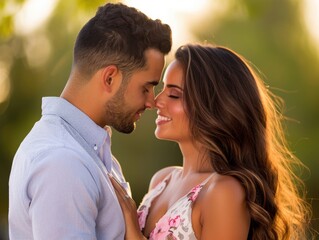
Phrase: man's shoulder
pixel 49 139
pixel 48 132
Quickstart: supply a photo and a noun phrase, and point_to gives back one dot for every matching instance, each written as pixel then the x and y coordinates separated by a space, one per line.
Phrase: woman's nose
pixel 158 101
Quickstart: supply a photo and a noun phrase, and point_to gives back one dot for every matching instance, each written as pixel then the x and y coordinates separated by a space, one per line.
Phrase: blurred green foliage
pixel 270 34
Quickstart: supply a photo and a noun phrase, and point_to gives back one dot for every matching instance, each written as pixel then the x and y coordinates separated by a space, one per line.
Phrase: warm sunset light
pixel 312 19
pixel 33 14
pixel 4 83
pixel 179 14
pixel 57 58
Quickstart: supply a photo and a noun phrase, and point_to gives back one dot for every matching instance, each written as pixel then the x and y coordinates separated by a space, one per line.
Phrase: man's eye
pixel 145 90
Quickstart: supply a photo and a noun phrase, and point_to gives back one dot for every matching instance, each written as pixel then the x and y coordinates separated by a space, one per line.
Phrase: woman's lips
pixel 162 120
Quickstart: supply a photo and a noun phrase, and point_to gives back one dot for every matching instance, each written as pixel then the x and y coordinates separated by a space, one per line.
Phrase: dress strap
pixel 207 179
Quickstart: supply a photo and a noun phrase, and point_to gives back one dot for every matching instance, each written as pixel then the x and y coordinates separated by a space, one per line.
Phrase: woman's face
pixel 172 122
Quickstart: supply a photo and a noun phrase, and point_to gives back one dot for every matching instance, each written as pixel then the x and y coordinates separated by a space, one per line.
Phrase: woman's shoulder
pixel 223 210
pixel 222 188
pixel 160 175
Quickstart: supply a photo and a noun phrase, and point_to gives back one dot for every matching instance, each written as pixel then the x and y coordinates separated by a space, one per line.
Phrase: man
pixel 59 188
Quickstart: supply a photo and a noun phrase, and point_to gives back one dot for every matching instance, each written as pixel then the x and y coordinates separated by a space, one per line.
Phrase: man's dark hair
pixel 119 35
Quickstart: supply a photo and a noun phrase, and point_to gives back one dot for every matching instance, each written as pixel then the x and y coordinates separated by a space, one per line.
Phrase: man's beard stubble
pixel 116 114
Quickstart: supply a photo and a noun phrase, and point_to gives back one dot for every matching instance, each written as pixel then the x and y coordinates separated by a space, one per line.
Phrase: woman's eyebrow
pixel 174 86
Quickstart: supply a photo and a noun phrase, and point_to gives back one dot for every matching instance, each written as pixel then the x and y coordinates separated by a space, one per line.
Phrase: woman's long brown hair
pixel 238 120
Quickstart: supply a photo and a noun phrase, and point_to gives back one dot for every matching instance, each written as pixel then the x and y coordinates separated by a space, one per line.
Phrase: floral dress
pixel 177 221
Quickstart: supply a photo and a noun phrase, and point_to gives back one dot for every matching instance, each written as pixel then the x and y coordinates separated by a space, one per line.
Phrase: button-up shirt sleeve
pixel 63 197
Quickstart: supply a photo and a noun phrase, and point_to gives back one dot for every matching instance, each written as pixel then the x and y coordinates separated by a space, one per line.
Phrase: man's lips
pixel 139 114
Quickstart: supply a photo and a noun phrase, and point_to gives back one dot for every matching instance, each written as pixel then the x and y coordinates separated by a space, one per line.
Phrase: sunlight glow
pixel 37 49
pixel 311 18
pixel 33 14
pixel 179 14
pixel 4 82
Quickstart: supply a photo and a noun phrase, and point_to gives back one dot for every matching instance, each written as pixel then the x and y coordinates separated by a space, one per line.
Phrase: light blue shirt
pixel 58 187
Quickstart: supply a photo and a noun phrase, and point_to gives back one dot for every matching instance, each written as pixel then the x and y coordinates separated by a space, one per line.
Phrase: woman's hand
pixel 129 211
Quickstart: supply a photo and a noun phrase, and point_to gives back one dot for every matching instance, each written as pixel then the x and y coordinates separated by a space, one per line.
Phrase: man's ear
pixel 111 78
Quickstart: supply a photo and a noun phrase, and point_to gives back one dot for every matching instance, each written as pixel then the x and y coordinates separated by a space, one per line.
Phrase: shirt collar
pixel 93 134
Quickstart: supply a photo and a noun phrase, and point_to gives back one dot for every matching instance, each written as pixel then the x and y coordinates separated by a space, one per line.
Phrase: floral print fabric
pixel 177 222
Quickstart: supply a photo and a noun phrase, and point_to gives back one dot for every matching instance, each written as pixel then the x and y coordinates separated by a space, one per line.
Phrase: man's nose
pixel 150 101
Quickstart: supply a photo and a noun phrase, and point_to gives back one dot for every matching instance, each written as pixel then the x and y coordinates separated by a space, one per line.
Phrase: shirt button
pixel 95 147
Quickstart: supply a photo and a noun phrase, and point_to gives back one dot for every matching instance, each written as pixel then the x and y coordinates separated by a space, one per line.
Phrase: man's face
pixel 133 97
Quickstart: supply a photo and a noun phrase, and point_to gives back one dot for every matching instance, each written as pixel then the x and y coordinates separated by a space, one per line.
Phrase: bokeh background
pixel 281 38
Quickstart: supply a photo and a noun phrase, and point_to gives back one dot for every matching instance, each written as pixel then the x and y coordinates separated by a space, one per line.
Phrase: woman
pixel 236 180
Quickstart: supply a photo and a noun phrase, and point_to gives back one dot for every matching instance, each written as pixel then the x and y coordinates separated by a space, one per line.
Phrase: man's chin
pixel 127 129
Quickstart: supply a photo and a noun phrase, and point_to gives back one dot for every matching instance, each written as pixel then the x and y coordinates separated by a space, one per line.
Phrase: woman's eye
pixel 173 96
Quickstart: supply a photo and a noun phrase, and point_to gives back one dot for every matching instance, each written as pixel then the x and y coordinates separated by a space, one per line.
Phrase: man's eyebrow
pixel 174 86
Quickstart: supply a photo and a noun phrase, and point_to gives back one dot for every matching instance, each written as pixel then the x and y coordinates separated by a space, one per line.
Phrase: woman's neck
pixel 195 158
